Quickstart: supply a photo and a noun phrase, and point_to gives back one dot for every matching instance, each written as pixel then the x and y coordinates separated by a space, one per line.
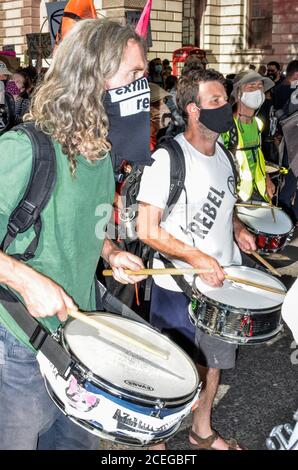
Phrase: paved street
pixel 261 392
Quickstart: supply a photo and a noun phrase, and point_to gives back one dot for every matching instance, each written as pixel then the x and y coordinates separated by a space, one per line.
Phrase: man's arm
pixel 245 240
pixel 150 231
pixel 270 186
pixel 41 295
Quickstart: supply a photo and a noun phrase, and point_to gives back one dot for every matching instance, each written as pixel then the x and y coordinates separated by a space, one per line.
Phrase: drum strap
pixel 106 301
pixel 38 336
pixel 180 281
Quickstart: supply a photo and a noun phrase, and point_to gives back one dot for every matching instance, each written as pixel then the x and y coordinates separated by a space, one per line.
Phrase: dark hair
pixel 151 66
pixel 192 65
pixel 292 67
pixel 189 86
pixel 170 82
pixel 165 62
pixel 31 72
pixel 26 77
pixel 275 64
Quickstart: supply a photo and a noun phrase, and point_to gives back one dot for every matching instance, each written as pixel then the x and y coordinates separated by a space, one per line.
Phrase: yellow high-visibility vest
pixel 247 182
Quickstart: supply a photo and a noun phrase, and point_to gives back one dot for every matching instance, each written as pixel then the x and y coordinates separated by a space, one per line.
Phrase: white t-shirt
pixel 205 221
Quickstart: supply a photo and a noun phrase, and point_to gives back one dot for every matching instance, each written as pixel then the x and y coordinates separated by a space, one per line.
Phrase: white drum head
pixel 261 220
pixel 128 366
pixel 243 296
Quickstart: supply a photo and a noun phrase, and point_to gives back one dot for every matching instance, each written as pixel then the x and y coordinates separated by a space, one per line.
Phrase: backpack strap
pixel 233 163
pixel 38 336
pixel 177 185
pixel 7 113
pixel 40 187
pixel 177 169
pixel 233 138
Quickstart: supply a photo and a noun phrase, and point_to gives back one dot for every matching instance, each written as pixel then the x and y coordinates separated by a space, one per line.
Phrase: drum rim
pixel 269 235
pixel 216 303
pixel 119 391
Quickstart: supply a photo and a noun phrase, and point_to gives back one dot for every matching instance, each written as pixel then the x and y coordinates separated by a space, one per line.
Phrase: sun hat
pixel 157 93
pixel 249 76
pixel 3 69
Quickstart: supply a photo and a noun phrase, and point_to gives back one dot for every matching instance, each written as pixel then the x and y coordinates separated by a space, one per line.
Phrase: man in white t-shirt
pixel 199 232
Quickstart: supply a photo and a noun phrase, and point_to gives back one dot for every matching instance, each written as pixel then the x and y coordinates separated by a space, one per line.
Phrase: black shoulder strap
pixel 177 169
pixel 40 187
pixel 233 162
pixel 233 138
pixel 7 113
pixel 38 336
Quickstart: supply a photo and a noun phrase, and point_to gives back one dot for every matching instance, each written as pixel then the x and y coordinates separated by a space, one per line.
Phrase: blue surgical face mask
pixel 158 68
pixel 128 110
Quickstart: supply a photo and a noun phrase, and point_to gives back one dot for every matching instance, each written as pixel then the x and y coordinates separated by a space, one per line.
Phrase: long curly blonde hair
pixel 68 104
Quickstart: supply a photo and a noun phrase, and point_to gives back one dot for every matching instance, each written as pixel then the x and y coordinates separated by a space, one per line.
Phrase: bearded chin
pixel 207 133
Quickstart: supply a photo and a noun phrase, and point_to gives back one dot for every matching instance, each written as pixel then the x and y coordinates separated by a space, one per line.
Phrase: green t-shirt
pixel 73 222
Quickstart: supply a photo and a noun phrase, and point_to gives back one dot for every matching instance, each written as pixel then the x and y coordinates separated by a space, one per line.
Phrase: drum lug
pixel 159 405
pixel 57 334
pixel 221 319
pixel 87 376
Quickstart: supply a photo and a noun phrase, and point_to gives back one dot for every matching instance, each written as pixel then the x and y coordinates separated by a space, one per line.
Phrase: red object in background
pixel 180 56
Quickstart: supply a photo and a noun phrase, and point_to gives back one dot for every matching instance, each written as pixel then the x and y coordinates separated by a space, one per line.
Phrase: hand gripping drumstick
pixel 152 272
pixel 102 326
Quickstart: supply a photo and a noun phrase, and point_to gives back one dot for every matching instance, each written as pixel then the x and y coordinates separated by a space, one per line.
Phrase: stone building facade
pixel 222 27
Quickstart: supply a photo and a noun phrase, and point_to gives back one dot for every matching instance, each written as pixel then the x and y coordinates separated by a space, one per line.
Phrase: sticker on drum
pixel 261 220
pixel 119 390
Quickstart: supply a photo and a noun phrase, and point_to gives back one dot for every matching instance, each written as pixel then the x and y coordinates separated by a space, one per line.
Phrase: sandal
pixel 206 443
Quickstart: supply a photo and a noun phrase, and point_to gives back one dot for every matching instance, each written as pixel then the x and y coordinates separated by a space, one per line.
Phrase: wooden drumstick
pixel 265 263
pixel 152 272
pixel 257 206
pixel 272 212
pixel 255 284
pixel 102 326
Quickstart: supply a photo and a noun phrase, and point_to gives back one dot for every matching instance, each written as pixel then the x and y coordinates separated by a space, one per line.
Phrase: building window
pixel 260 24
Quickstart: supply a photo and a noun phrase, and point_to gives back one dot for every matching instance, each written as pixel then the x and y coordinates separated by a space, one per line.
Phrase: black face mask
pixel 217 120
pixel 128 110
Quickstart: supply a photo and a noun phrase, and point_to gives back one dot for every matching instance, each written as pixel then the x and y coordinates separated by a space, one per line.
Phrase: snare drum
pixel 118 391
pixel 273 232
pixel 238 313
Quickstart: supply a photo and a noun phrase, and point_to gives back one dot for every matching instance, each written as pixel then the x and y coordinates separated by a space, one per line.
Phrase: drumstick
pixel 255 284
pixel 258 206
pixel 272 212
pixel 115 331
pixel 152 272
pixel 265 263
